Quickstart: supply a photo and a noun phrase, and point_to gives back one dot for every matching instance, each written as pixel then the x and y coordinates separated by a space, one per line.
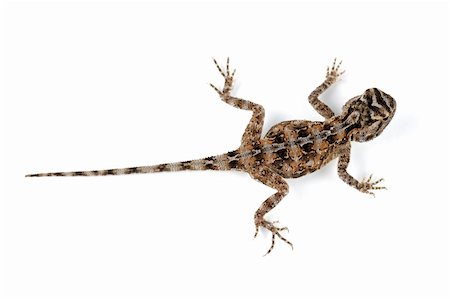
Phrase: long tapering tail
pixel 220 162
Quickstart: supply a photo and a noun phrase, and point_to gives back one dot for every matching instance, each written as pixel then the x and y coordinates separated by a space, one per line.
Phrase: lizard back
pixel 296 148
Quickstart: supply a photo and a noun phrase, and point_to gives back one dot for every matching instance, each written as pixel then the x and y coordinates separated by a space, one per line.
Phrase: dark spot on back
pixel 307 147
pixel 331 139
pixel 259 157
pixel 279 138
pixel 233 163
pixel 232 154
pixel 282 153
pixel 303 133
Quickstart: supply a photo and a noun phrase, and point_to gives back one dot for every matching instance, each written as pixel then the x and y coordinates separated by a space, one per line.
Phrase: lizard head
pixel 372 111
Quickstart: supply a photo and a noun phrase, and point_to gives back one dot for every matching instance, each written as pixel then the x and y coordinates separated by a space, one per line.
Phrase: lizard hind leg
pixel 275 181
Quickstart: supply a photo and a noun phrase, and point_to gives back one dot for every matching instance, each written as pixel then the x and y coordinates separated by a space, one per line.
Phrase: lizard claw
pixel 366 185
pixel 216 89
pixel 275 233
pixel 333 74
pixel 227 75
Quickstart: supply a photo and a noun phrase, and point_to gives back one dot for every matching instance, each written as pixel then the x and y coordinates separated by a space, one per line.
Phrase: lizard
pixel 290 149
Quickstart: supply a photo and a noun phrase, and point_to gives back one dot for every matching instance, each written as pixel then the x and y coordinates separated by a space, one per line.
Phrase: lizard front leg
pixel 275 181
pixel 365 186
pixel 252 133
pixel 331 77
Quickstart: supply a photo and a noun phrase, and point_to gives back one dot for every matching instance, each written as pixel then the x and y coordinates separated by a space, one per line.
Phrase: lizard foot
pixel 275 232
pixel 333 74
pixel 228 85
pixel 366 186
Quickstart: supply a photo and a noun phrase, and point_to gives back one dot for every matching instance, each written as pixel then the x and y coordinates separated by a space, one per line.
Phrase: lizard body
pixel 290 149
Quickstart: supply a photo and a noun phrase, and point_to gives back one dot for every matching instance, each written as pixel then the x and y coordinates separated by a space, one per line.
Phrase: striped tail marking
pixel 219 162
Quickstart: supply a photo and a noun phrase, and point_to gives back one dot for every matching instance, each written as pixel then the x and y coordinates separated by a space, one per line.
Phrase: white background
pixel 93 85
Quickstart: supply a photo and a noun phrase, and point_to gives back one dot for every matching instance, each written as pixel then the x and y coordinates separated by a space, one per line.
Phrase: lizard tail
pixel 225 161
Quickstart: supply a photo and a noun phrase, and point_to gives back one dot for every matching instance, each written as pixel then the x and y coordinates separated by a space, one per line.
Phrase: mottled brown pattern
pixel 290 149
